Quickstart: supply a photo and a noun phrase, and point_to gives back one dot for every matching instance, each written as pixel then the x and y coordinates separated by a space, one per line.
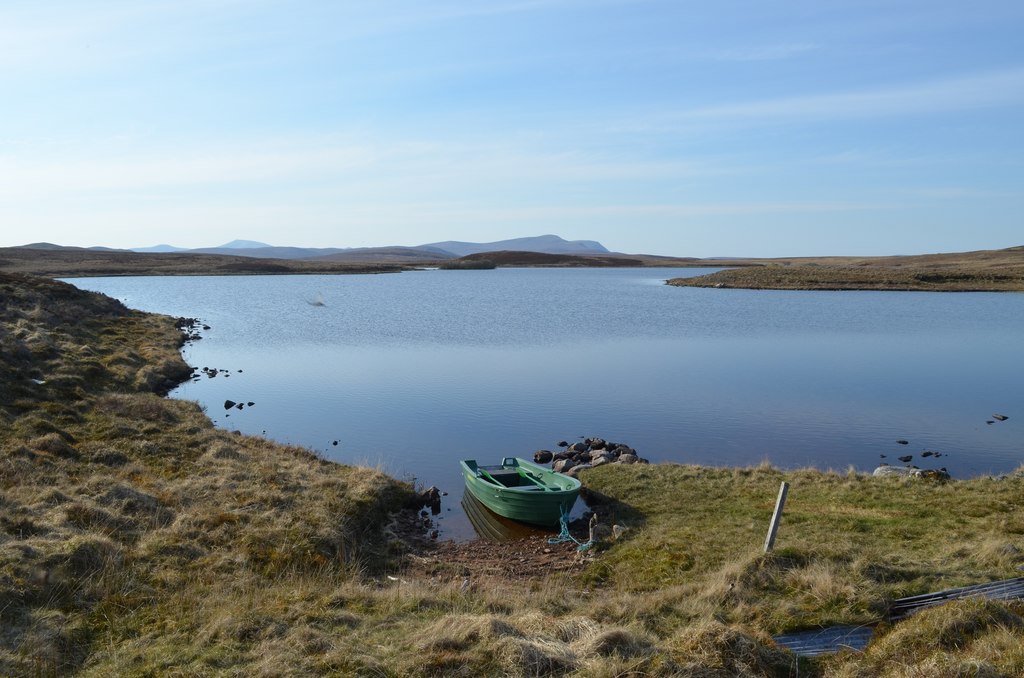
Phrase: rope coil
pixel 564 535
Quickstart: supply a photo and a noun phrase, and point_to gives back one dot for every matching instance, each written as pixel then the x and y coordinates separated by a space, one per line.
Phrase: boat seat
pixel 507 477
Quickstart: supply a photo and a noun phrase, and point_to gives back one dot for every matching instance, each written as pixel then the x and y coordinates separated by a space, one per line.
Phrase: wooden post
pixel 769 542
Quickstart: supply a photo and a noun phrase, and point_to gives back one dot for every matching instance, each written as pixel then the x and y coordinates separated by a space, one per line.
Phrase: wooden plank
pixel 773 529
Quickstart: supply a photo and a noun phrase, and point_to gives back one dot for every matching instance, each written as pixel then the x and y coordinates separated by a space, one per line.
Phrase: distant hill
pixel 433 252
pixel 159 248
pixel 399 255
pixel 538 259
pixel 549 244
pixel 243 245
pixel 45 246
pixel 268 251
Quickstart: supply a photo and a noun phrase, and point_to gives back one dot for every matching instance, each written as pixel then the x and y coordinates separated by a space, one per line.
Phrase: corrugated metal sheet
pixel 1008 589
pixel 836 638
pixel 826 641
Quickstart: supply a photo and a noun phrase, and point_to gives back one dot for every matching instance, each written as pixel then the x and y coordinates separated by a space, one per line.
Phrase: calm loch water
pixel 415 371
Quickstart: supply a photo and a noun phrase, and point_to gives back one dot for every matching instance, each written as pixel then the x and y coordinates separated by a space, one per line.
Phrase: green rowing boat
pixel 521 490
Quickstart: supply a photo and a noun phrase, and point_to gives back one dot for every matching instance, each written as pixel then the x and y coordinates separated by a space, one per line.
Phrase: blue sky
pixel 668 127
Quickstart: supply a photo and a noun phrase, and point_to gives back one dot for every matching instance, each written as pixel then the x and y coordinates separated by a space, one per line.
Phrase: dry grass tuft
pixel 460 632
pixel 618 642
pixel 714 649
pixel 54 443
pixel 535 656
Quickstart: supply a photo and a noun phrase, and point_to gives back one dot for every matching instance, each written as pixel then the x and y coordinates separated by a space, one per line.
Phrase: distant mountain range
pixel 548 244
pixel 438 251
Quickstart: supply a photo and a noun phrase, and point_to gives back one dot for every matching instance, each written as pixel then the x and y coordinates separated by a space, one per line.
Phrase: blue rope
pixel 564 535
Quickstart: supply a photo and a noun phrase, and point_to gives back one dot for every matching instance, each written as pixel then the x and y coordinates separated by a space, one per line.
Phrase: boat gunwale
pixel 474 473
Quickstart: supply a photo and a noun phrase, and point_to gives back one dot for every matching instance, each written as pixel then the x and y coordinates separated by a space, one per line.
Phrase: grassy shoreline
pixel 982 271
pixel 82 263
pixel 138 539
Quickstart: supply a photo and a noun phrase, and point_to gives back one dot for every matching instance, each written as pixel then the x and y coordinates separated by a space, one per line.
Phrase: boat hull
pixel 521 490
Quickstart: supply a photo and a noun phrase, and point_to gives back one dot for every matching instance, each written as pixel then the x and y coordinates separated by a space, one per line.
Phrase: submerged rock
pixel 431 497
pixel 542 456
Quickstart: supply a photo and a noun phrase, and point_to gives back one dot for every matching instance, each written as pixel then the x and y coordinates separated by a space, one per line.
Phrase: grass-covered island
pixel 981 271
pixel 138 539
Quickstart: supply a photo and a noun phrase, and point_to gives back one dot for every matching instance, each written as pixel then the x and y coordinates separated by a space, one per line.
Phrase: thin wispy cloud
pixel 962 192
pixel 974 91
pixel 764 52
pixel 46 37
pixel 387 165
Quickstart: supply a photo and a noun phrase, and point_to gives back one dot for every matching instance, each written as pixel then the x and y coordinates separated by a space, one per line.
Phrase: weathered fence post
pixel 769 541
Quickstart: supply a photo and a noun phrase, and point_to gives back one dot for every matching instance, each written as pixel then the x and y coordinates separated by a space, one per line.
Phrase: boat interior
pixel 508 477
pixel 515 477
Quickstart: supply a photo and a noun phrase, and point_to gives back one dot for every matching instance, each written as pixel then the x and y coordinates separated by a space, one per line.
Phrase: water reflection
pixel 489 525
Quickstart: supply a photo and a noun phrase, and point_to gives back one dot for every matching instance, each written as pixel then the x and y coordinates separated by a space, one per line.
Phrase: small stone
pixel 902 442
pixel 906 458
pixel 563 465
pixel 228 404
pixel 1000 417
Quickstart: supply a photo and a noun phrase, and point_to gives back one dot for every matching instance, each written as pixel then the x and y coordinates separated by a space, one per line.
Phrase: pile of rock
pixel 190 328
pixel 589 453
